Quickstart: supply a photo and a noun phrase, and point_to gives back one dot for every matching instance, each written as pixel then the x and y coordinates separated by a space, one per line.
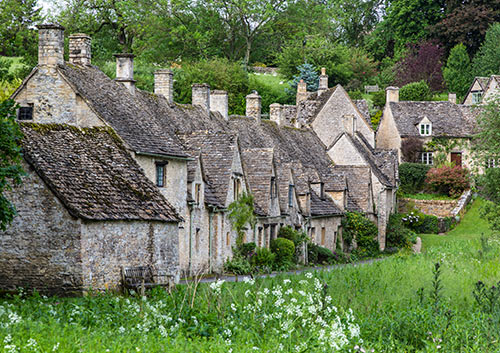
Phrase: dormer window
pixel 476 97
pixel 425 129
pixel 26 112
pixel 161 174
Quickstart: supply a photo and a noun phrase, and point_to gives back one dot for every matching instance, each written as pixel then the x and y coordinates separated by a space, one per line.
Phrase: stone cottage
pixel 84 211
pixel 449 125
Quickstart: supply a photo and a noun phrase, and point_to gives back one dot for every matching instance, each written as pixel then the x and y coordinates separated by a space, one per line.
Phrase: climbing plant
pixel 241 214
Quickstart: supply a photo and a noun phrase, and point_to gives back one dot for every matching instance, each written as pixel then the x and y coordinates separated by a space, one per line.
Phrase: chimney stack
pixel 253 108
pixel 164 84
pixel 50 45
pixel 392 94
pixel 79 49
pixel 323 81
pixel 200 93
pixel 452 98
pixel 219 103
pixel 276 114
pixel 301 92
pixel 125 70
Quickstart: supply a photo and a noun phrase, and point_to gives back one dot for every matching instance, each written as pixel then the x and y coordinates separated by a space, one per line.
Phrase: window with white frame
pixel 476 97
pixel 426 157
pixel 425 129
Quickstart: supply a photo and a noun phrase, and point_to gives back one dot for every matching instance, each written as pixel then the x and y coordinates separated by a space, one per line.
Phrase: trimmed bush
pixel 320 255
pixel 429 225
pixel 412 177
pixel 415 91
pixel 284 251
pixel 356 226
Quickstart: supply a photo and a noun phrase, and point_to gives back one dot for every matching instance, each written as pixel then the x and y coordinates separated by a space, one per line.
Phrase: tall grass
pixel 404 303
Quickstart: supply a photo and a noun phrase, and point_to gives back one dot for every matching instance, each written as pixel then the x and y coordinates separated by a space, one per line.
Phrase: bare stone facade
pixel 438 208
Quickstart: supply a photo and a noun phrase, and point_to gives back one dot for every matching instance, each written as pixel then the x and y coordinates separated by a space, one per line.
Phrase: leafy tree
pixel 486 61
pixel 466 22
pixel 318 52
pixel 458 71
pixel 415 91
pixel 422 62
pixel 241 214
pixel 363 69
pixel 10 159
pixel 17 18
pixel 412 176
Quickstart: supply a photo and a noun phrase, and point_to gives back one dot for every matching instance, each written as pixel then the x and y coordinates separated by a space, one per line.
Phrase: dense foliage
pixel 485 62
pixel 10 159
pixel 448 180
pixel 398 235
pixel 412 176
pixel 458 71
pixel 359 229
pixel 284 250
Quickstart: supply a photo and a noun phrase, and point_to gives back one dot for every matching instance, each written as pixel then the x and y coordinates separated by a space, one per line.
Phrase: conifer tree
pixel 307 72
pixel 458 71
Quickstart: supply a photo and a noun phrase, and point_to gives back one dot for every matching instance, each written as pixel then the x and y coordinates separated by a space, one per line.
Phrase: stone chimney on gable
pixel 219 103
pixel 392 94
pixel 50 45
pixel 276 114
pixel 80 49
pixel 253 108
pixel 452 98
pixel 125 70
pixel 200 93
pixel 301 92
pixel 164 84
pixel 323 81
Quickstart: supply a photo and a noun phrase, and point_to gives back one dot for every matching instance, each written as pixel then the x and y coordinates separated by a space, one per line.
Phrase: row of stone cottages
pixel 119 177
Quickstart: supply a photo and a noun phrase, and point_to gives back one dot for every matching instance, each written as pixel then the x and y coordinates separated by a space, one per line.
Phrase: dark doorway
pixel 456 157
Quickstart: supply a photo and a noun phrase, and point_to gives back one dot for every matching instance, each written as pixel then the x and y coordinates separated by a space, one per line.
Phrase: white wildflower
pixel 309 275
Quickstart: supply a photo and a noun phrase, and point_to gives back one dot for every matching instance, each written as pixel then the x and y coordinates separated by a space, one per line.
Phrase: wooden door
pixel 456 157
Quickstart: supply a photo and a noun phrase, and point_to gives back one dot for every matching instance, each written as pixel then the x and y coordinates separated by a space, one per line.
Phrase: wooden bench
pixel 371 89
pixel 141 278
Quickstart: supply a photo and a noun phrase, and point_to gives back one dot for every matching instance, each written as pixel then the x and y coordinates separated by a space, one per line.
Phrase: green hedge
pixel 412 177
pixel 356 226
pixel 284 251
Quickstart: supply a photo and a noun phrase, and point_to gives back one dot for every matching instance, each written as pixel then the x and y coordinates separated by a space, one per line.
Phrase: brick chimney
pixel 392 94
pixel 125 70
pixel 164 84
pixel 301 92
pixel 452 98
pixel 219 103
pixel 50 45
pixel 276 114
pixel 80 49
pixel 253 108
pixel 201 96
pixel 323 81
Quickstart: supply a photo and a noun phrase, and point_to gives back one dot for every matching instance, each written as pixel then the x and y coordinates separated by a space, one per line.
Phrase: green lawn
pixel 398 304
pixel 428 197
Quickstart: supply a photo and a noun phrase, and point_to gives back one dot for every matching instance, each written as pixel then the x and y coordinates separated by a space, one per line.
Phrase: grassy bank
pixel 398 304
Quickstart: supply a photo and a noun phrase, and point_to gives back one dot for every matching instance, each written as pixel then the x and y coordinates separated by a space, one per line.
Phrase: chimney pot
pixel 392 94
pixel 452 98
pixel 219 103
pixel 323 81
pixel 301 92
pixel 164 84
pixel 125 70
pixel 253 108
pixel 50 44
pixel 80 49
pixel 201 96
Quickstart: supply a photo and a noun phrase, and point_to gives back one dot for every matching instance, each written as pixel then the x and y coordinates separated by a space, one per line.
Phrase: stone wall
pixel 331 227
pixel 41 248
pixel 108 246
pixel 438 208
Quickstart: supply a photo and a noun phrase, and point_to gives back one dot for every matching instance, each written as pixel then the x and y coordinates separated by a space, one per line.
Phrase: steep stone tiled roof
pixel 362 106
pixel 217 152
pixel 92 174
pixel 130 115
pixel 323 206
pixel 358 183
pixel 448 119
pixel 258 167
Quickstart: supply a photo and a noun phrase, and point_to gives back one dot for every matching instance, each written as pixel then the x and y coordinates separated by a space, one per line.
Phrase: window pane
pixel 26 113
pixel 160 175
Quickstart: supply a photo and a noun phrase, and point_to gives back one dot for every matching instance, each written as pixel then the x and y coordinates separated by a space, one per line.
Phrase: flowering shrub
pixel 448 180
